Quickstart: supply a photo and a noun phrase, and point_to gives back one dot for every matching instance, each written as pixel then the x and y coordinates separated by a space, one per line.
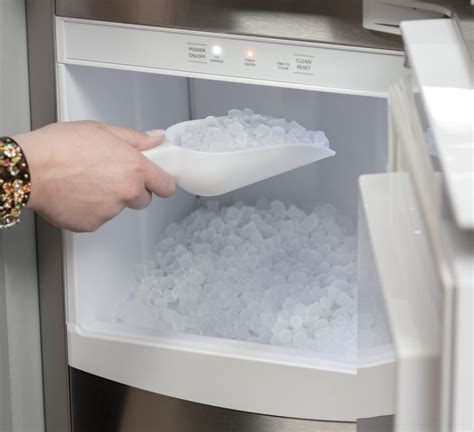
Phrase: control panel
pixel 216 56
pixel 252 57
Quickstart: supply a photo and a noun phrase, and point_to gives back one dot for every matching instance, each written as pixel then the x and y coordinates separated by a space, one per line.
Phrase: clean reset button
pixel 303 64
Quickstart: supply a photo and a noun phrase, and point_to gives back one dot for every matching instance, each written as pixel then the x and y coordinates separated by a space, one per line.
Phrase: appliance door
pixel 402 240
pixel 440 100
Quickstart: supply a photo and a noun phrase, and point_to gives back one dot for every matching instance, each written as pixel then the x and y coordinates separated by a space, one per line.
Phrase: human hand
pixel 84 173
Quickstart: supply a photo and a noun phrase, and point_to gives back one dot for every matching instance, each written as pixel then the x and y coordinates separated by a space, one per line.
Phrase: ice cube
pixel 166 244
pixel 333 259
pixel 295 125
pixel 268 320
pixel 185 261
pixel 322 324
pixel 326 302
pixel 211 121
pixel 170 296
pixel 332 229
pixel 341 285
pixel 296 321
pixel 248 113
pixel 295 213
pixel 300 338
pixel 252 143
pixel 228 251
pixel 242 330
pixel 277 122
pixel 262 131
pixel 257 119
pixel 324 267
pixel 234 113
pixel 314 310
pixel 216 224
pixel 222 142
pixel 310 257
pixel 344 300
pixel 278 209
pixel 325 249
pixel 277 135
pixel 281 324
pixel 247 212
pixel 298 277
pixel 289 304
pixel 309 223
pixel 233 215
pixel 319 138
pixel 284 336
pixel 296 132
pixel 178 323
pixel 236 129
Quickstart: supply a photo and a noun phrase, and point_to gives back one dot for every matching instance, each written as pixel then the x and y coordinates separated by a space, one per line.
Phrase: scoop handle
pixel 166 156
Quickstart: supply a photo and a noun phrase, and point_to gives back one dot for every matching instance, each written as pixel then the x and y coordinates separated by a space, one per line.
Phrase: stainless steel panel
pixel 102 405
pixel 464 14
pixel 334 21
pixel 40 29
pixel 376 424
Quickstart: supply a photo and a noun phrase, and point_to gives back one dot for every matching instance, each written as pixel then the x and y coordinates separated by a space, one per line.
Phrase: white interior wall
pixel 143 101
pixel 21 400
pixel 356 127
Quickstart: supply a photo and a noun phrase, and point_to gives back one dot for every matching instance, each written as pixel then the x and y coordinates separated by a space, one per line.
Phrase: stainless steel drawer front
pixel 333 22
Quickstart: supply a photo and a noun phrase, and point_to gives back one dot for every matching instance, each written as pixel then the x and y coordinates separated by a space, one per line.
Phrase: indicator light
pixel 216 50
pixel 249 53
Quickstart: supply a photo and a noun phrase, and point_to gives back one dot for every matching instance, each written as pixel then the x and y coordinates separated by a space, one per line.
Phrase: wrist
pixel 25 141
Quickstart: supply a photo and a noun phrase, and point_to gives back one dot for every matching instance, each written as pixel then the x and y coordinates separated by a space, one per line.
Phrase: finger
pixel 137 139
pixel 157 180
pixel 140 201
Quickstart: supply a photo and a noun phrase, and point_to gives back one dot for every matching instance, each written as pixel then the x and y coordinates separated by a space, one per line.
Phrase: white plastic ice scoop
pixel 208 173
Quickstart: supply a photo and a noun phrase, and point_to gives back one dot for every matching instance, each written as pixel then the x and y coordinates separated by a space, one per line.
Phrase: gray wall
pixel 21 394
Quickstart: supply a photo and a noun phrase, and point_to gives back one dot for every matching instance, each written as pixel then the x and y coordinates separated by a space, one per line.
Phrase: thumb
pixel 137 139
pixel 157 180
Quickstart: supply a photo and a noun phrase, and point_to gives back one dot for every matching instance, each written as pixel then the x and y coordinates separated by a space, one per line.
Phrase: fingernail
pixel 156 132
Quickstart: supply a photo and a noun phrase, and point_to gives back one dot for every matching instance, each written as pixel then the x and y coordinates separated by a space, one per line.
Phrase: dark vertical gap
pixel 42 84
pixel 190 105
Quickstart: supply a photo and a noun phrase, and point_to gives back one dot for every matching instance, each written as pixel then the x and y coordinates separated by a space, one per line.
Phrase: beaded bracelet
pixel 15 182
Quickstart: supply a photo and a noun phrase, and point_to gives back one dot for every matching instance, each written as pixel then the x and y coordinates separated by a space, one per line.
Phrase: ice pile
pixel 269 273
pixel 245 129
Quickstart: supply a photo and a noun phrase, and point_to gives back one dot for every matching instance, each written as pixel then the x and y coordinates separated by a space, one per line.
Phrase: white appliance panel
pixel 239 58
